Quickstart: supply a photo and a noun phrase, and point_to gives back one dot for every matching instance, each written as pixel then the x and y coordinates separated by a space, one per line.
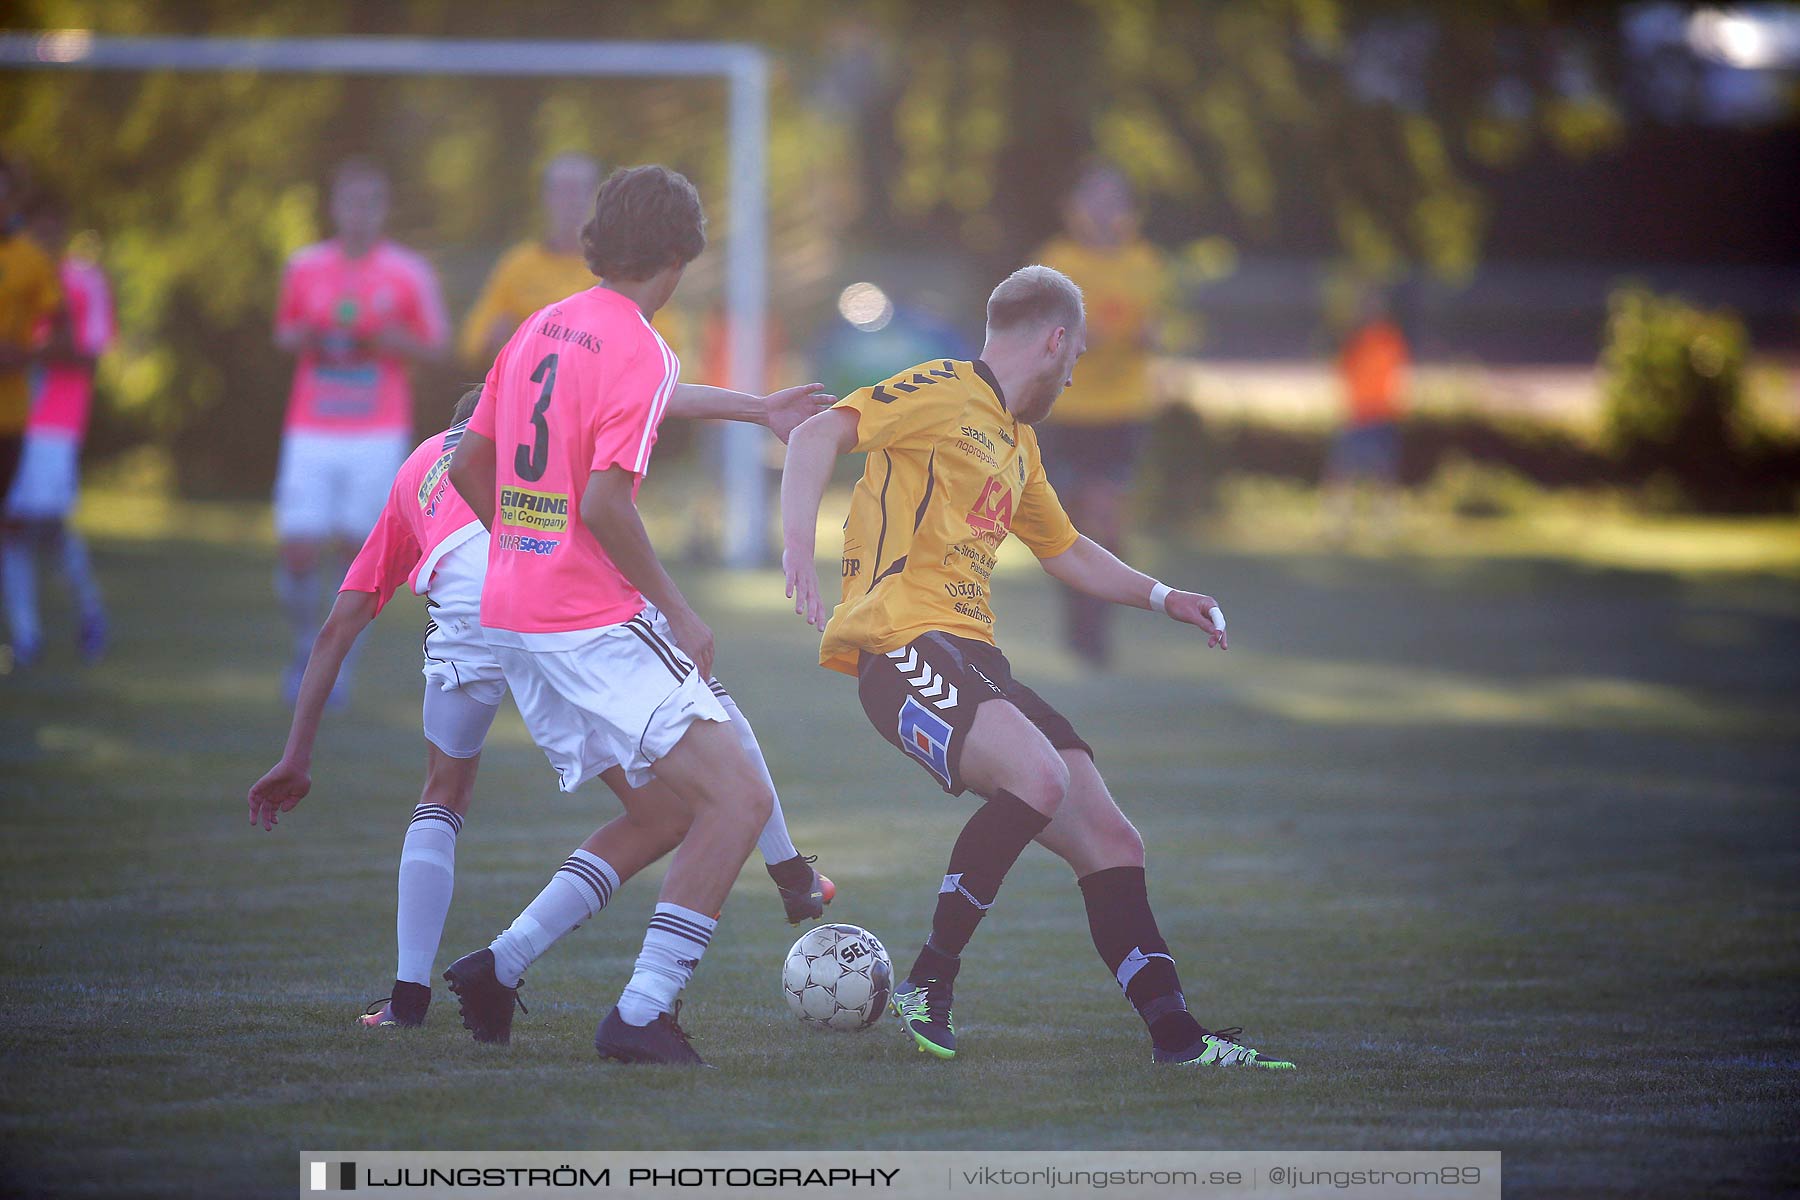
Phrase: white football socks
pixel 579 890
pixel 673 944
pixel 427 878
pixel 773 842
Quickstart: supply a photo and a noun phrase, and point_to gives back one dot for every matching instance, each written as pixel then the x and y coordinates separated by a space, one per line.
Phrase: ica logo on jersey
pixel 993 512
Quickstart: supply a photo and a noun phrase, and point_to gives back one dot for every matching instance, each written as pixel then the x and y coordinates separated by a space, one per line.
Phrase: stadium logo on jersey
pixel 993 512
pixel 977 453
pixel 534 510
pixel 926 736
pixel 974 434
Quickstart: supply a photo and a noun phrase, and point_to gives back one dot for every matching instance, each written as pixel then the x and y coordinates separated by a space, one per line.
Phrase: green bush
pixel 1674 397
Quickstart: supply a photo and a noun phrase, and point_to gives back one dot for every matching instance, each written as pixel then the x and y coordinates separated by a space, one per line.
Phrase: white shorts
pixel 463 683
pixel 333 485
pixel 594 698
pixel 44 487
pixel 456 722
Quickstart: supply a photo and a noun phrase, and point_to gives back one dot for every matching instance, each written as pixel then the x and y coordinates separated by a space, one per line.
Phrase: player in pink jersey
pixel 428 539
pixel 355 311
pixel 607 661
pixel 43 492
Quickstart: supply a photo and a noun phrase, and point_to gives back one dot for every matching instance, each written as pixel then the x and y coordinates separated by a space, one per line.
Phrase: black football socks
pixel 1125 934
pixel 984 852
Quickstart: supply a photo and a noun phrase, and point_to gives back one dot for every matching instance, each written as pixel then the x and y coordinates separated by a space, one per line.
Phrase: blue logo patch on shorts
pixel 926 736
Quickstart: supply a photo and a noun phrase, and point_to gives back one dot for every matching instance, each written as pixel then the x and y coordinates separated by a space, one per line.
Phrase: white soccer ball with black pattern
pixel 838 977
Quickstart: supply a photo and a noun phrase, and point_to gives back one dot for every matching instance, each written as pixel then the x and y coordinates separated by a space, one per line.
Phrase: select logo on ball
pixel 838 977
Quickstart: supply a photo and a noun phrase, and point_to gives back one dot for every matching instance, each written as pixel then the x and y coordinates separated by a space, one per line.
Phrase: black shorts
pixel 923 696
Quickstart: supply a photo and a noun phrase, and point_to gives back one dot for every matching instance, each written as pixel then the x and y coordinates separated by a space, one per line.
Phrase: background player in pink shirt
pixel 43 492
pixel 428 539
pixel 355 311
pixel 606 659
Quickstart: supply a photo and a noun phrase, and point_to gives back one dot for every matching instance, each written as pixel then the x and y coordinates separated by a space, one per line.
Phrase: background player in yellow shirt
pixel 1093 441
pixel 953 467
pixel 29 295
pixel 538 271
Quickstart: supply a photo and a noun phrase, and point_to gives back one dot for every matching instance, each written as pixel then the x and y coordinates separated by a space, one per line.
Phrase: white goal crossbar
pixel 743 67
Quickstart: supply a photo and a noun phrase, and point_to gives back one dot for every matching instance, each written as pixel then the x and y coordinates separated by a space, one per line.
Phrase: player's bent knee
pixel 1125 845
pixel 1042 783
pixel 759 805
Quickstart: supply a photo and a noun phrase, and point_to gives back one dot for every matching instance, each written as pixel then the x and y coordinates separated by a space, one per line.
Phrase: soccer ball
pixel 838 977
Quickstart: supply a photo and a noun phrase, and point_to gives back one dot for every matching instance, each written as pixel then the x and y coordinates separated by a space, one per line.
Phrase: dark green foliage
pixel 895 126
pixel 1675 405
pixel 1189 456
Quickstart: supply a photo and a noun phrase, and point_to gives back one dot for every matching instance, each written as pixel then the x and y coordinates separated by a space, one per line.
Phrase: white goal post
pixel 743 67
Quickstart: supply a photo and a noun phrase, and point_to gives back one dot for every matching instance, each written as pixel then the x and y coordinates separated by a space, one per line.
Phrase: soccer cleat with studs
pixel 405 1009
pixel 380 1015
pixel 804 891
pixel 924 1012
pixel 485 1003
pixel 662 1042
pixel 1219 1049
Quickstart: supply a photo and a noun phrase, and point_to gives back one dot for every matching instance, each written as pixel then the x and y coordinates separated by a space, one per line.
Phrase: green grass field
pixel 1504 853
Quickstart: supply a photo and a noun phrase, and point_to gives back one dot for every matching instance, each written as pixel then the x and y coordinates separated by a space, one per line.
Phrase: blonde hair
pixel 1033 296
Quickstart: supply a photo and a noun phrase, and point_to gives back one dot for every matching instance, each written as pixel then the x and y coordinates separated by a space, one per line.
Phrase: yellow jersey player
pixel 29 296
pixel 1093 442
pixel 953 467
pixel 540 271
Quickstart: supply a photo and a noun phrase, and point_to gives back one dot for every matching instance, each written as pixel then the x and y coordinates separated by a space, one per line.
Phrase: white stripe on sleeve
pixel 671 371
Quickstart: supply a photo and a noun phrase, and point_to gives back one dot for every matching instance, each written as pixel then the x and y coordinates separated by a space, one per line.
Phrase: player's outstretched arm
pixel 1090 567
pixel 609 510
pixel 288 781
pixel 778 412
pixel 812 452
pixel 472 471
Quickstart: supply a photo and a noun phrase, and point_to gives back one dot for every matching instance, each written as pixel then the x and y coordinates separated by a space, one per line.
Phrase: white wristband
pixel 1159 596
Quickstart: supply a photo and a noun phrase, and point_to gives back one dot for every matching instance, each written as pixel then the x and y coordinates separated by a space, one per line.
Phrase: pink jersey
pixel 424 520
pixel 65 396
pixel 581 387
pixel 347 387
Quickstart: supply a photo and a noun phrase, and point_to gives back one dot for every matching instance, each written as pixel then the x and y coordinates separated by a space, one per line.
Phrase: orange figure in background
pixel 1373 366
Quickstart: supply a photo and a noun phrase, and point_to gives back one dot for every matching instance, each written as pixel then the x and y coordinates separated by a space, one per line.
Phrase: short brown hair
pixel 1034 295
pixel 645 219
pixel 465 406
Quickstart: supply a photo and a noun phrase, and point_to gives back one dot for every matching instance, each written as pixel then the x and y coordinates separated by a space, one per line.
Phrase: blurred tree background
pixel 1377 136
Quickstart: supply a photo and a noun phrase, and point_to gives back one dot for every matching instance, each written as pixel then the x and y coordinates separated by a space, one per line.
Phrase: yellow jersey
pixel 29 294
pixel 949 474
pixel 526 278
pixel 1124 288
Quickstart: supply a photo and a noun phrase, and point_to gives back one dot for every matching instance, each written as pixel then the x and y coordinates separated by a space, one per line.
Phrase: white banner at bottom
pixel 908 1174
